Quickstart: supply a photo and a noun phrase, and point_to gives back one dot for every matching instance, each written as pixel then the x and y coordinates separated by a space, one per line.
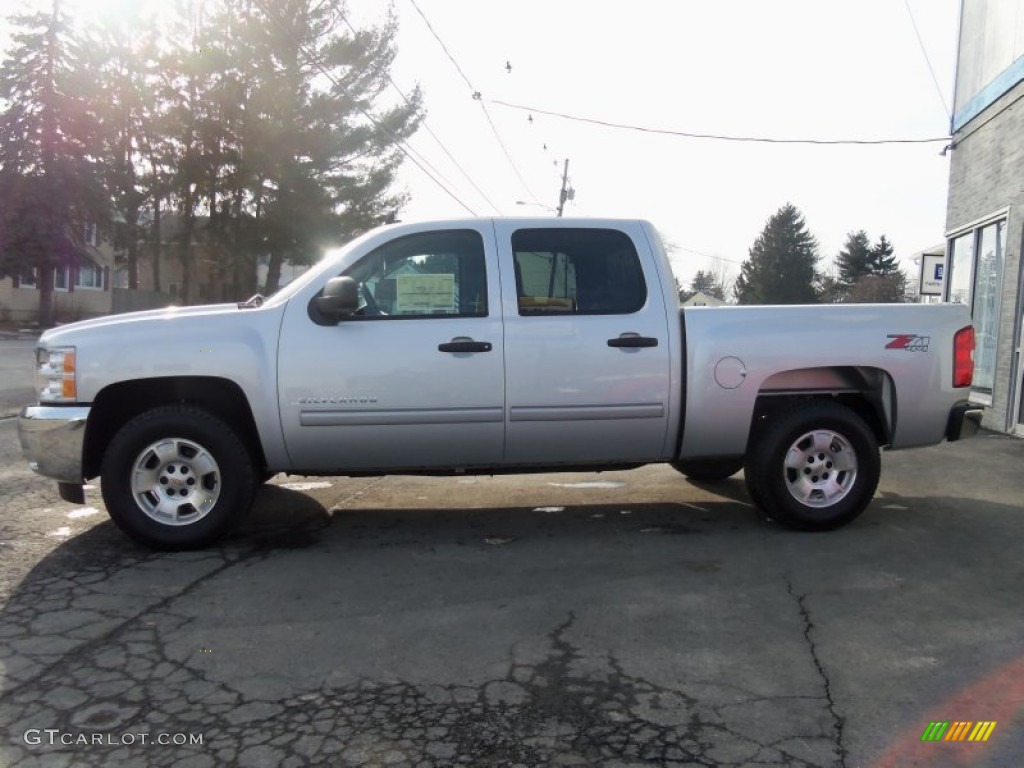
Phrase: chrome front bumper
pixel 51 440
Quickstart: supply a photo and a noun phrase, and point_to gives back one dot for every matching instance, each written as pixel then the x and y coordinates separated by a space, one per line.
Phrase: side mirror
pixel 340 298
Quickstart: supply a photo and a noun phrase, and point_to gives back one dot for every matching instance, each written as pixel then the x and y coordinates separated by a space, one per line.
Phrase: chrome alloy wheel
pixel 176 481
pixel 820 468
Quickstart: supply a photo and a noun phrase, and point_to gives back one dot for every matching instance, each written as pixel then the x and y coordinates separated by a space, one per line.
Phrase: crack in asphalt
pixel 68 657
pixel 535 714
pixel 90 669
pixel 838 720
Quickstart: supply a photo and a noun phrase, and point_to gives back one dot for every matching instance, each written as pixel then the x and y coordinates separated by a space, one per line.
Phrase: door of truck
pixel 415 380
pixel 586 344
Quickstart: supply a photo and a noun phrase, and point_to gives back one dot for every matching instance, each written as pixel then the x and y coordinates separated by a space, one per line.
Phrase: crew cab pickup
pixel 490 346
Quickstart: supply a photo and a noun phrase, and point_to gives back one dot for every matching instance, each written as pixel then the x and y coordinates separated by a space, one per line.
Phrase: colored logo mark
pixel 959 730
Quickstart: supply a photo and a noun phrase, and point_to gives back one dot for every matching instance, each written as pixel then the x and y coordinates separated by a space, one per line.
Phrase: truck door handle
pixel 464 344
pixel 633 340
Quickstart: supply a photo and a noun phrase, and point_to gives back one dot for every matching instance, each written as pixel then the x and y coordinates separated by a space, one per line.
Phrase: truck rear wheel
pixel 177 477
pixel 708 470
pixel 815 468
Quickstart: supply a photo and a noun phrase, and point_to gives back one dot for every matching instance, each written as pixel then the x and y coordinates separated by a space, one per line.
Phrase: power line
pixel 707 255
pixel 394 139
pixel 430 131
pixel 476 97
pixel 718 137
pixel 504 149
pixel 443 46
pixel 927 60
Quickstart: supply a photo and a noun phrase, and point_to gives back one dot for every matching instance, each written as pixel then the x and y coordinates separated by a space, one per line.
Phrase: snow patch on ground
pixel 305 486
pixel 590 484
pixel 83 512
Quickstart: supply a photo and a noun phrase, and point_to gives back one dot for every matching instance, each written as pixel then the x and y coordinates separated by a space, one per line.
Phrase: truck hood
pixel 166 314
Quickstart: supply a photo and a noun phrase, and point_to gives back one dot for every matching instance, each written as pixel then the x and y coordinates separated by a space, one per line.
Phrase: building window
pixel 172 290
pixel 90 233
pixel 961 266
pixel 60 278
pixel 89 276
pixel 975 278
pixel 27 278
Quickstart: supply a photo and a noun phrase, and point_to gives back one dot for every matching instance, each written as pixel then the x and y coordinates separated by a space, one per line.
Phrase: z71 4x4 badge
pixel 910 342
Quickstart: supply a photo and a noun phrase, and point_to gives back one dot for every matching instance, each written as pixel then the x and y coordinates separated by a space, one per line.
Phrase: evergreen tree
pixel 854 259
pixel 49 191
pixel 881 261
pixel 123 57
pixel 876 289
pixel 330 166
pixel 884 282
pixel 707 283
pixel 781 267
pixel 261 125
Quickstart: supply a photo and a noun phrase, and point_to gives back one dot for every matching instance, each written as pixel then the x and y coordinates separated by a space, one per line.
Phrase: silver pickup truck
pixel 490 346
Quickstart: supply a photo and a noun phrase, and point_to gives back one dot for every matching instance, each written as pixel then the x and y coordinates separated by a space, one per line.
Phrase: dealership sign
pixel 932 267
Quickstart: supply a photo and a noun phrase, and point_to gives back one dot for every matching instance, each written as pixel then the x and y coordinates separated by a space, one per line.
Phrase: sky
pixel 819 69
pixel 784 69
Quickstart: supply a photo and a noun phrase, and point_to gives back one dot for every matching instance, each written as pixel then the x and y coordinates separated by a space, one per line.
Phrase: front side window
pixel 577 271
pixel 429 274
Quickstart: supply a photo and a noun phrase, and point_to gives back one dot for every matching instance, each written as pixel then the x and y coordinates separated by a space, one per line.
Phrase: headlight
pixel 55 375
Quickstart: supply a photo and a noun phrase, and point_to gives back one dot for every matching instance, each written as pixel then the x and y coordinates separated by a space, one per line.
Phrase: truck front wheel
pixel 815 467
pixel 177 477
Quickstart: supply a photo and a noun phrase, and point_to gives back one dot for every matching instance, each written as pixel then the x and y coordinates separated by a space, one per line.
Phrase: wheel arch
pixel 867 391
pixel 118 403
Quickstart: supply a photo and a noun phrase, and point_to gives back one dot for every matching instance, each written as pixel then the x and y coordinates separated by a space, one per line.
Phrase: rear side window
pixel 577 271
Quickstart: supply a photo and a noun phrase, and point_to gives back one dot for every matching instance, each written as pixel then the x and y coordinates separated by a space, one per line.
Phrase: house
pixel 80 290
pixel 985 208
pixel 701 299
pixel 215 274
pixel 210 278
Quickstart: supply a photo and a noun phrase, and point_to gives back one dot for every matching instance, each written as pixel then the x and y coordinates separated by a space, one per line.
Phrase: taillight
pixel 963 357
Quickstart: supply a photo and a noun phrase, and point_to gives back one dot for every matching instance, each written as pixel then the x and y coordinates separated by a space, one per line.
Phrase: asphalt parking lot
pixel 617 619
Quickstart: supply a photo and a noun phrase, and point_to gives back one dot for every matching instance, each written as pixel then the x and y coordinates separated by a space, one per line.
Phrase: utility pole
pixel 565 193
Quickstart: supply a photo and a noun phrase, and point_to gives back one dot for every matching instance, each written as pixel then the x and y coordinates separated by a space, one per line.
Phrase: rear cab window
pixel 577 272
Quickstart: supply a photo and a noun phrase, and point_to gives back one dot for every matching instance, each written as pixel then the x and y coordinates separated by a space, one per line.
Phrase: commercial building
pixel 985 210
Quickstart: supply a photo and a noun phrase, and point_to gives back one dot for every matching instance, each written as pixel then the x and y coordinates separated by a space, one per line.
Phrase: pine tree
pixel 854 259
pixel 781 267
pixel 881 261
pixel 49 190
pixel 885 281
pixel 331 166
pixel 123 59
pixel 707 283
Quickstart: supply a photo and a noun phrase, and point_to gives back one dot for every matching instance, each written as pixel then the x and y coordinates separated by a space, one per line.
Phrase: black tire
pixel 831 476
pixel 708 471
pixel 202 459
